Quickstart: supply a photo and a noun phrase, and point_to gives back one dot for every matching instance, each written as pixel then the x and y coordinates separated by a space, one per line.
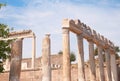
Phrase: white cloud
pixel 46 17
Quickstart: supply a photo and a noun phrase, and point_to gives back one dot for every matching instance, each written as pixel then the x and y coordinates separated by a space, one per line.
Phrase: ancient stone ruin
pixel 82 31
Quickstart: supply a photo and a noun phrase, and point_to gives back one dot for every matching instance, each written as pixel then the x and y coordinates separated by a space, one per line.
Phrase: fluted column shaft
pixel 92 61
pixel 16 57
pixel 101 64
pixel 66 55
pixel 81 73
pixel 46 65
pixel 108 66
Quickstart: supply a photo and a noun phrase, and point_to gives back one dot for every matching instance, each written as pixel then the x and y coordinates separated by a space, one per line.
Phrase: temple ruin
pixel 83 31
pixel 63 71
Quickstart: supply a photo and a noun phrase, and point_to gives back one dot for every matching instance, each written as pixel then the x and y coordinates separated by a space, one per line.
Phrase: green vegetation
pixel 4 44
pixel 2 5
pixel 72 56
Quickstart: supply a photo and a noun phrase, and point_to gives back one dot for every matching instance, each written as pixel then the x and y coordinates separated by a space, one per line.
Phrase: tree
pixel 4 45
pixel 60 52
pixel 72 56
pixel 2 5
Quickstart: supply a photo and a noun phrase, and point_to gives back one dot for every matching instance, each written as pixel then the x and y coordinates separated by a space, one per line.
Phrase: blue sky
pixel 45 16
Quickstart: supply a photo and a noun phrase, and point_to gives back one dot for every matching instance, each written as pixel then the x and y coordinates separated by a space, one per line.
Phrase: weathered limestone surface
pixel 113 68
pixel 77 27
pixel 66 56
pixel 92 61
pixel 16 57
pixel 46 65
pixel 81 73
pixel 19 35
pixel 108 66
pixel 101 65
pixel 82 31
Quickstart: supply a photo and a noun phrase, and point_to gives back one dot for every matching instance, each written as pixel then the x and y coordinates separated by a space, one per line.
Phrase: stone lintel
pixel 70 24
pixel 19 35
pixel 77 27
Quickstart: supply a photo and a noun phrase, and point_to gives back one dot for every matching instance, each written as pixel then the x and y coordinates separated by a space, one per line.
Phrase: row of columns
pixel 110 60
pixel 16 58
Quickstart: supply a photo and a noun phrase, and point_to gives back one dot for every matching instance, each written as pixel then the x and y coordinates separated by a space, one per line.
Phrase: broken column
pixel 81 73
pixel 92 61
pixel 16 57
pixel 66 56
pixel 46 65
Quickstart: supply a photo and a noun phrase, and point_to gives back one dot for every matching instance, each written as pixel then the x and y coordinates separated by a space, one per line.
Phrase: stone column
pixel 16 57
pixel 66 56
pixel 92 61
pixel 46 65
pixel 101 64
pixel 108 66
pixel 81 73
pixel 33 52
pixel 114 67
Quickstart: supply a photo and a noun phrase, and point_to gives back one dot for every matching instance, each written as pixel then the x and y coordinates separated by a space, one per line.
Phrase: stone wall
pixel 28 74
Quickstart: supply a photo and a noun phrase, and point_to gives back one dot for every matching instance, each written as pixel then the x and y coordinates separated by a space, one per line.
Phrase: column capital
pixel 107 50
pixel 65 30
pixel 19 39
pixel 112 51
pixel 80 36
pixel 47 35
pixel 90 40
pixel 106 46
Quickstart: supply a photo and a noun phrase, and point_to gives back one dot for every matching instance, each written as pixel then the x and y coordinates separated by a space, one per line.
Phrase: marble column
pixel 101 64
pixel 81 73
pixel 46 65
pixel 108 66
pixel 113 67
pixel 16 57
pixel 92 61
pixel 66 55
pixel 33 52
